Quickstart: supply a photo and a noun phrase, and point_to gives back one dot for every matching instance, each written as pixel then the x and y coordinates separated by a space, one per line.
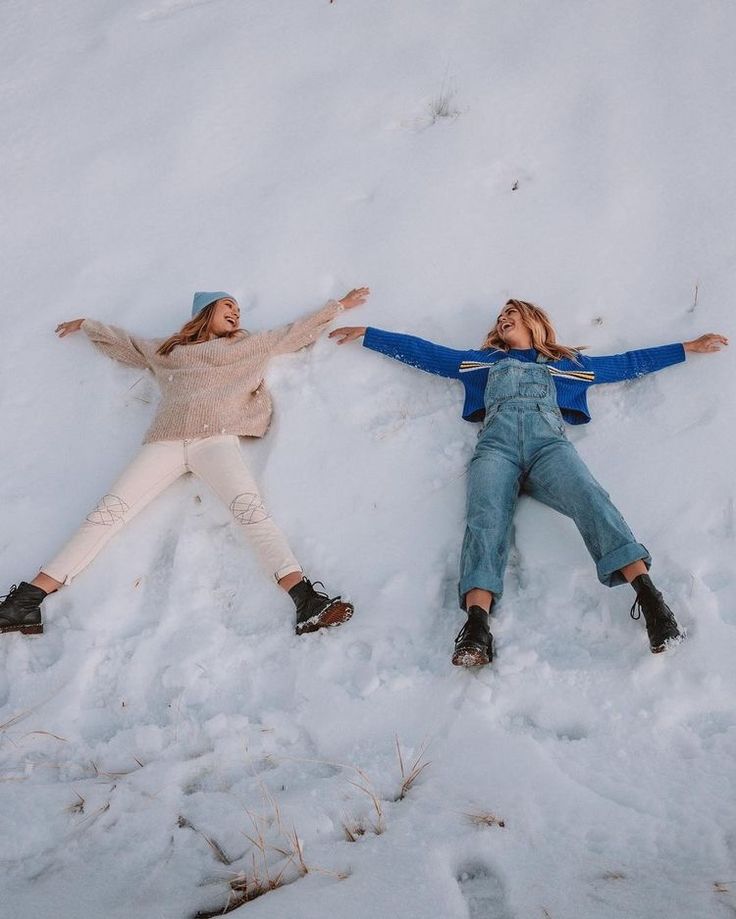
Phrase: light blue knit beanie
pixel 203 298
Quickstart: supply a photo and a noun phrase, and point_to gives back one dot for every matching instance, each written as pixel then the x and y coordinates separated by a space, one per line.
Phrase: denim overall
pixel 522 447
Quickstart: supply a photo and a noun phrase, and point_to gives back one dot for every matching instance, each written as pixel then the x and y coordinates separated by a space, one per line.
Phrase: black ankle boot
pixel 20 610
pixel 660 620
pixel 474 642
pixel 315 610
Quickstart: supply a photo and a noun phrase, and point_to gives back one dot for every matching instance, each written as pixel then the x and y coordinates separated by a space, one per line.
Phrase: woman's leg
pixel 559 478
pixel 155 467
pixel 219 461
pixel 493 490
pixel 632 571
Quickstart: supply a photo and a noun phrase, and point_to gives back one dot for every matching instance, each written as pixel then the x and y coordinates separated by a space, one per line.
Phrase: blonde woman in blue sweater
pixel 523 386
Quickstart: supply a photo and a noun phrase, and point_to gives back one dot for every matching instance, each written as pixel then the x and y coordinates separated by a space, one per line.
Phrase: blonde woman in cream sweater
pixel 211 378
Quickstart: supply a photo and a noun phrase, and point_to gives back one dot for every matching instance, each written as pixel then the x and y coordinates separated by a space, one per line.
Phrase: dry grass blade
pixel 47 734
pixel 101 774
pixel 720 887
pixel 298 853
pixel 216 848
pixel 485 818
pixel 15 719
pixel 90 818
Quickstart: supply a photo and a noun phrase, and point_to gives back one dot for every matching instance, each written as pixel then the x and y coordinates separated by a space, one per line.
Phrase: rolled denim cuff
pixel 480 579
pixel 609 567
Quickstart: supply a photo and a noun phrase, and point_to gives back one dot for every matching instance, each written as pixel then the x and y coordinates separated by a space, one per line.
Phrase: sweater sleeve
pixel 116 343
pixel 425 355
pixel 300 333
pixel 632 364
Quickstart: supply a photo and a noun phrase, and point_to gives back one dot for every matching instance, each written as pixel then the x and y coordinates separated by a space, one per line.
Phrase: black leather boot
pixel 660 620
pixel 20 610
pixel 315 610
pixel 474 642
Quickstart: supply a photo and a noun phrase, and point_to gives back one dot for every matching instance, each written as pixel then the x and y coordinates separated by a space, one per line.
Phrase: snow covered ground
pixel 449 155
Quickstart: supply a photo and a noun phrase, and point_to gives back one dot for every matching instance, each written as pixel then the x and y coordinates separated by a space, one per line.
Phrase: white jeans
pixel 219 462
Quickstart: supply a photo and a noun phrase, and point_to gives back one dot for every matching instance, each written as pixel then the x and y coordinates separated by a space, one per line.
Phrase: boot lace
pixel 636 609
pixel 461 633
pixel 9 594
pixel 321 593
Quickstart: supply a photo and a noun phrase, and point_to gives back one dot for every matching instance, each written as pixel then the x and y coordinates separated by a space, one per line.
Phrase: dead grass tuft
pixel 417 767
pixel 366 786
pixel 77 807
pixel 276 858
pixel 485 818
pixel 443 106
pixel 353 828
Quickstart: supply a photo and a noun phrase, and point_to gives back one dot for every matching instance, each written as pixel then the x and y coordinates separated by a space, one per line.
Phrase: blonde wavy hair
pixel 544 337
pixel 196 330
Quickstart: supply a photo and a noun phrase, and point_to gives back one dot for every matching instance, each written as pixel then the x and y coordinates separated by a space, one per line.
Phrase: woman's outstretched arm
pixel 303 332
pixel 112 341
pixel 615 367
pixel 417 352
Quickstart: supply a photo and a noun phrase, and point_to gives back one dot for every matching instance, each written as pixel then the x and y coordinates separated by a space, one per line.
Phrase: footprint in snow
pixel 483 892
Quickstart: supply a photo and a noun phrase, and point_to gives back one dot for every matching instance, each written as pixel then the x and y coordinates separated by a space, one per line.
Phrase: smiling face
pixel 511 328
pixel 225 317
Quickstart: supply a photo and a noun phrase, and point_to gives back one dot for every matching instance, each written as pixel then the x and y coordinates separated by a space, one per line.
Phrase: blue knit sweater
pixel 572 378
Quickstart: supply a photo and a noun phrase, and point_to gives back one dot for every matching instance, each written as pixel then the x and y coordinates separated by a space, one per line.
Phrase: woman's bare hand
pixel 348 333
pixel 66 328
pixel 706 343
pixel 355 297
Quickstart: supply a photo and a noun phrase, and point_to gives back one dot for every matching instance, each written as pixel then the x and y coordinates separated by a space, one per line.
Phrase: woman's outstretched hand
pixel 348 333
pixel 66 328
pixel 355 297
pixel 706 343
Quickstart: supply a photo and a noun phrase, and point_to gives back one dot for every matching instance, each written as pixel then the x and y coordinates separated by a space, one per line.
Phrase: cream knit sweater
pixel 216 386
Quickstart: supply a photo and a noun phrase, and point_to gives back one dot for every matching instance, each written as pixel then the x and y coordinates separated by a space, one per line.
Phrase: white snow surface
pixel 288 152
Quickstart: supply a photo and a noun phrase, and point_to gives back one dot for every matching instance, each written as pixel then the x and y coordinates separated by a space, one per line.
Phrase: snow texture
pixel 449 155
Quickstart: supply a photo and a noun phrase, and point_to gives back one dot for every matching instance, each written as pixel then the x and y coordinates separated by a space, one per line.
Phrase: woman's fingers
pixel 66 328
pixel 356 297
pixel 347 333
pixel 712 342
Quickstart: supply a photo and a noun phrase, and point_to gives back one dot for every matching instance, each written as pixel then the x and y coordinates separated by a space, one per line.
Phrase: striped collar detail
pixel 582 376
pixel 465 366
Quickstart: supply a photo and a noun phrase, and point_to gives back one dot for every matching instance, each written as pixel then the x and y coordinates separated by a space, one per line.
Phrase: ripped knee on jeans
pixel 248 509
pixel 109 510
